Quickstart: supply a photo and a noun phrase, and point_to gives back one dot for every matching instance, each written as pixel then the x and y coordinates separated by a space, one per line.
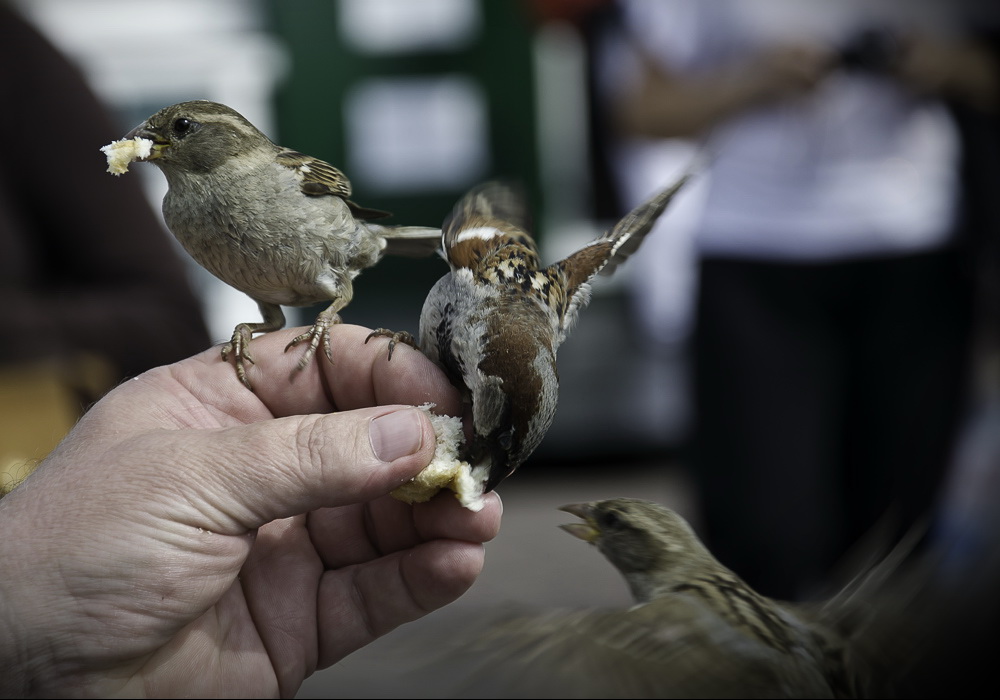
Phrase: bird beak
pixel 160 144
pixel 587 530
pixel 493 453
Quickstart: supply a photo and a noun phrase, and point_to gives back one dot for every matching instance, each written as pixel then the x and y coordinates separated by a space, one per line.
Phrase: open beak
pixel 587 530
pixel 160 144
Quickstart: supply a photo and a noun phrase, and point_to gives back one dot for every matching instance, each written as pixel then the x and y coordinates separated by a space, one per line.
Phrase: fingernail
pixel 396 434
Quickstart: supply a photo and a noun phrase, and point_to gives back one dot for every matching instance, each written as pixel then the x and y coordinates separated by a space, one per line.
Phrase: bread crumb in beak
pixel 446 470
pixel 122 152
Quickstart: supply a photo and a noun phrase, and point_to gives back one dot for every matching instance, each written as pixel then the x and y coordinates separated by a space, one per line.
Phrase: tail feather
pixel 409 241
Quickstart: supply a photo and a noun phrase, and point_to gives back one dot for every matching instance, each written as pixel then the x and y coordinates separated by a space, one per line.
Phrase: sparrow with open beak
pixel 696 629
pixel 275 224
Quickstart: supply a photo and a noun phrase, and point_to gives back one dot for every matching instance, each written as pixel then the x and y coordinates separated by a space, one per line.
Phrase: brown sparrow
pixel 496 320
pixel 696 629
pixel 275 224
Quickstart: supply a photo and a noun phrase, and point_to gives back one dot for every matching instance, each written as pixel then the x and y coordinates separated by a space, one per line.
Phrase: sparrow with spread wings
pixel 696 629
pixel 495 321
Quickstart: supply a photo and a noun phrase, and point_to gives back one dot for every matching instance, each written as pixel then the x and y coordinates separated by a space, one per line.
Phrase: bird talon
pixel 318 334
pixel 240 356
pixel 238 346
pixel 242 374
pixel 394 338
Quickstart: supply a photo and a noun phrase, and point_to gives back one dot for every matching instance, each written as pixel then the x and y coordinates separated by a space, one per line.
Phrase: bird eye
pixel 610 520
pixel 183 125
pixel 506 439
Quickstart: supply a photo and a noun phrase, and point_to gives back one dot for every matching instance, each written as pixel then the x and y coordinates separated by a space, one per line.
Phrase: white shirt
pixel 857 168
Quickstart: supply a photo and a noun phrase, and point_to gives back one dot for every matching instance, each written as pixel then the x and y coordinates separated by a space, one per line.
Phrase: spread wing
pixel 671 648
pixel 606 252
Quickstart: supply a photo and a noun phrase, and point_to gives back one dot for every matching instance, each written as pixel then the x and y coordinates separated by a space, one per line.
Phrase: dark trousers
pixel 823 395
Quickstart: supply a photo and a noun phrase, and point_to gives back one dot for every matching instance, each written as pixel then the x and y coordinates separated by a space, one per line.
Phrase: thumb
pixel 246 476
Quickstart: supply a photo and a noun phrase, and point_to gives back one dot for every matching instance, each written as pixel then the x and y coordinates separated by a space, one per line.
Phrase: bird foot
pixel 319 333
pixel 239 347
pixel 394 337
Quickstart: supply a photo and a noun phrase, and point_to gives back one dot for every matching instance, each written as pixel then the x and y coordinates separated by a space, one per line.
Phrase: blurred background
pixel 417 100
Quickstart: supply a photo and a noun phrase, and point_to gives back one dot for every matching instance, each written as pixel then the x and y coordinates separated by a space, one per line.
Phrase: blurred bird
pixel 496 320
pixel 697 629
pixel 275 224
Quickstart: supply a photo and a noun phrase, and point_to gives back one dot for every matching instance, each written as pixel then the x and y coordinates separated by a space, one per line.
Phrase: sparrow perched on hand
pixel 696 629
pixel 496 320
pixel 275 224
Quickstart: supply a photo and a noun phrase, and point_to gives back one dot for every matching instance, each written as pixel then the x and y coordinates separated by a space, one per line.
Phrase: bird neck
pixel 482 252
pixel 659 581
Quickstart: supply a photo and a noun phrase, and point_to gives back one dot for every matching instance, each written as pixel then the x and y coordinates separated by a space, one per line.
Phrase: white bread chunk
pixel 446 470
pixel 122 152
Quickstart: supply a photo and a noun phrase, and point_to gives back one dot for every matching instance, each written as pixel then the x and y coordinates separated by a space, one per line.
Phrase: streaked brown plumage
pixel 274 223
pixel 697 629
pixel 494 323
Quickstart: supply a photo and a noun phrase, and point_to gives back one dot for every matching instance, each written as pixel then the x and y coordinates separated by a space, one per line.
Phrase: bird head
pixel 510 419
pixel 652 546
pixel 197 136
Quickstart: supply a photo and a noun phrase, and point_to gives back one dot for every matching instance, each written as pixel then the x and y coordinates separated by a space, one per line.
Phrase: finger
pixel 343 537
pixel 444 517
pixel 281 574
pixel 280 579
pixel 392 590
pixel 360 375
pixel 239 478
pixel 409 377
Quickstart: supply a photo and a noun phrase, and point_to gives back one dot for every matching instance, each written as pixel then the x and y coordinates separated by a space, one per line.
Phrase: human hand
pixel 190 537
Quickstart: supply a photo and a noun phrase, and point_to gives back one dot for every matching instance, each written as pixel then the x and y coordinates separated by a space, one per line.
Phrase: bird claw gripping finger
pixel 319 333
pixel 394 337
pixel 239 346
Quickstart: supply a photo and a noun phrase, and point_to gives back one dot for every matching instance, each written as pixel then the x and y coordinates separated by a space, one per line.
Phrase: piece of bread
pixel 122 152
pixel 446 470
